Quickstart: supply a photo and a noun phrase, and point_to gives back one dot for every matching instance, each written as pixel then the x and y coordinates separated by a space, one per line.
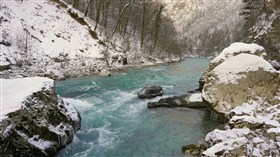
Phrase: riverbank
pixel 41 47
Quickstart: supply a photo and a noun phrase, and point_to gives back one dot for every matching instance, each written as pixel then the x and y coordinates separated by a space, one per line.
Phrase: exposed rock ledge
pixel 34 120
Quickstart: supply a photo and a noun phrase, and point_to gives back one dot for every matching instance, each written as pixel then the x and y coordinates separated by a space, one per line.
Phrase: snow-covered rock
pixel 227 148
pixel 245 89
pixel 261 140
pixel 229 52
pixel 34 120
pixel 238 80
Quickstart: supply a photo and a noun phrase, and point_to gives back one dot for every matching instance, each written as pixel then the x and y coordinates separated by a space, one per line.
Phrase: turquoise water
pixel 116 123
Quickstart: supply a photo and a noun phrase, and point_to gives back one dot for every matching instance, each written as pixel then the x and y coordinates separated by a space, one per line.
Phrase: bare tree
pixel 119 18
pixel 157 25
pixel 87 8
pixel 143 24
pixel 98 6
pixel 75 4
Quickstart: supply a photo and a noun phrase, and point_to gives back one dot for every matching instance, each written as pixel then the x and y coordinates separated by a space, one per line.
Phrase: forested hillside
pixel 193 28
pixel 140 25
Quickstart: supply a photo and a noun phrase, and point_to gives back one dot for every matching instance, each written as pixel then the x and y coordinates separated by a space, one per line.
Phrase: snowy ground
pixel 53 31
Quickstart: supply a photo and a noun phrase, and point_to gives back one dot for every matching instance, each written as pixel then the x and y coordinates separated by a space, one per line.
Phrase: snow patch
pixel 226 146
pixel 231 70
pixel 15 91
pixel 196 97
pixel 236 48
pixel 217 136
pixel 245 109
pixel 41 144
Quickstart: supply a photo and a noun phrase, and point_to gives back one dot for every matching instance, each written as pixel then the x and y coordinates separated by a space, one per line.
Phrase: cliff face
pixel 206 27
pixel 40 124
pixel 263 24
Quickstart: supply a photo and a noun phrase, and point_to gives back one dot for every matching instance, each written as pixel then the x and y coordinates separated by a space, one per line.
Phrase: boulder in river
pixel 193 101
pixel 35 121
pixel 239 80
pixel 229 52
pixel 150 91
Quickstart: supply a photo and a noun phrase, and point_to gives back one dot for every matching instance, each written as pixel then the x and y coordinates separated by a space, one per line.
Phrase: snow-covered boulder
pixel 238 80
pixel 34 120
pixel 229 52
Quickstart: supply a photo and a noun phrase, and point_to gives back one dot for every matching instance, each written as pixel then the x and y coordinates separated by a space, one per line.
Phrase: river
pixel 116 123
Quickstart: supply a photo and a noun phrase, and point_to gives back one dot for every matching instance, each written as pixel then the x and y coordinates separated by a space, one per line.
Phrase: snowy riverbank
pixel 56 44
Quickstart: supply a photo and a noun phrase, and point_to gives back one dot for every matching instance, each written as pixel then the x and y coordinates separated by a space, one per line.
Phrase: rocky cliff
pixel 35 121
pixel 263 25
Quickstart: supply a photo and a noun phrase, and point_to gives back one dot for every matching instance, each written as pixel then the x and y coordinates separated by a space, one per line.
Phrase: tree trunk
pixel 143 25
pixel 157 26
pixel 87 8
pixel 127 20
pixel 105 13
pixel 119 18
pixel 97 14
pixel 75 4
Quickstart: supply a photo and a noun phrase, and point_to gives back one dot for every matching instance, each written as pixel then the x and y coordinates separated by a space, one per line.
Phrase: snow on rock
pixel 245 89
pixel 245 109
pixel 229 52
pixel 36 121
pixel 217 136
pixel 15 91
pixel 231 70
pixel 238 80
pixel 232 147
pixel 245 121
pixel 237 48
pixel 42 144
pixel 196 97
pixel 262 140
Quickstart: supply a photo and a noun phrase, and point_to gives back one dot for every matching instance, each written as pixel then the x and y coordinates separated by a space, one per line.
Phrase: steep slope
pixel 38 36
pixel 52 39
pixel 263 24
